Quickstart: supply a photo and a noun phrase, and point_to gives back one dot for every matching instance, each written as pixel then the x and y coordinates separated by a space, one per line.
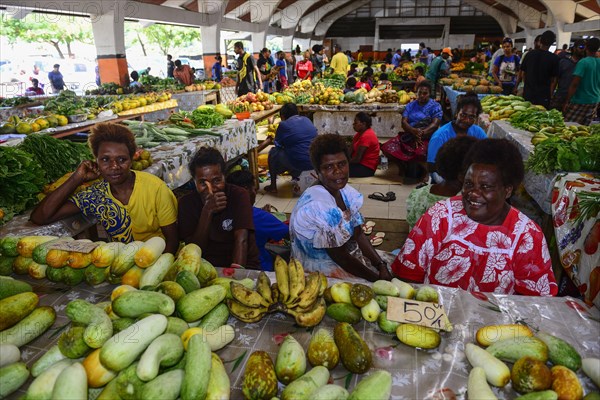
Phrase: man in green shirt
pixel 339 62
pixel 438 67
pixel 584 93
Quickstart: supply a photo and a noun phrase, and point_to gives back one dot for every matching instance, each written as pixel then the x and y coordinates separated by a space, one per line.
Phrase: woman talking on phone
pixel 130 205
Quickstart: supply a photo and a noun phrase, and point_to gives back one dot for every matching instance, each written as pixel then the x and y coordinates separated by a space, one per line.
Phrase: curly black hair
pixel 364 118
pixel 501 153
pixel 469 98
pixel 449 159
pixel 326 144
pixel 115 133
pixel 206 156
pixel 425 84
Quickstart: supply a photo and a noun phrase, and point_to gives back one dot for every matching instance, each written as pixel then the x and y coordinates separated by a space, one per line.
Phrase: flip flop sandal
pixel 376 241
pixel 378 196
pixel 368 227
pixel 379 235
pixel 391 196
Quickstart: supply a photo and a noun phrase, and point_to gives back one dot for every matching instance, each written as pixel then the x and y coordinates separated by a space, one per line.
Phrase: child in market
pixel 350 85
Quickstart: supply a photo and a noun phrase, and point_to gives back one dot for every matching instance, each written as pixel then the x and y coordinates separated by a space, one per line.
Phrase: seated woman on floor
pixel 217 216
pixel 467 112
pixel 365 147
pixel 420 119
pixel 477 241
pixel 326 224
pixel 449 165
pixel 130 205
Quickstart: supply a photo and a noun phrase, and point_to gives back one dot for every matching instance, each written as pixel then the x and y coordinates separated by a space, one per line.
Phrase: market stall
pixel 387 117
pixel 416 373
pixel 452 96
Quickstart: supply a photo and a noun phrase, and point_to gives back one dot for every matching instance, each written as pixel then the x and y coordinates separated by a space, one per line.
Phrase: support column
pixel 211 39
pixel 109 33
pixel 259 40
pixel 563 13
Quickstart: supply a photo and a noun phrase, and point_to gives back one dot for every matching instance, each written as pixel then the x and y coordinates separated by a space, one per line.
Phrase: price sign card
pixel 431 315
pixel 78 246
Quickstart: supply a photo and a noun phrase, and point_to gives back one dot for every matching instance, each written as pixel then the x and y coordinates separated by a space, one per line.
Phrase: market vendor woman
pixel 130 205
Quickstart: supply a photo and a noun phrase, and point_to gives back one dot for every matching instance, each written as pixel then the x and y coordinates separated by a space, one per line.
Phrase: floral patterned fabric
pixel 448 248
pixel 317 224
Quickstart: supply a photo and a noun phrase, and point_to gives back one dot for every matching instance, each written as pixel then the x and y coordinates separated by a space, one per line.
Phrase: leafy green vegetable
pixel 56 156
pixel 206 118
pixel 534 119
pixel 21 179
pixel 556 154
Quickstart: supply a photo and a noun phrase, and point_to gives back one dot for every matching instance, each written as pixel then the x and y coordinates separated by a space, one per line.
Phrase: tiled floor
pixel 284 200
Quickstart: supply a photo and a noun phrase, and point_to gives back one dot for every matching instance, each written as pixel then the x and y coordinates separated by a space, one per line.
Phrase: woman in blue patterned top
pixel 420 119
pixel 325 226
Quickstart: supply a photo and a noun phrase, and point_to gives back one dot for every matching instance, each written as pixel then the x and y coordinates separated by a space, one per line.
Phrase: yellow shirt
pixel 339 63
pixel 151 205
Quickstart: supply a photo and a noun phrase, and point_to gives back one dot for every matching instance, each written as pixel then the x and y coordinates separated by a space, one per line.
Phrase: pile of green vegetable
pixel 14 101
pixel 205 118
pixel 56 157
pixel 557 154
pixel 21 179
pixel 534 119
pixel 66 103
pixel 148 134
pixel 336 81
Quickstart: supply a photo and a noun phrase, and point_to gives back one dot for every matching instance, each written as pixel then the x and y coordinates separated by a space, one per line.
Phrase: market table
pixel 452 96
pixel 387 119
pixel 417 374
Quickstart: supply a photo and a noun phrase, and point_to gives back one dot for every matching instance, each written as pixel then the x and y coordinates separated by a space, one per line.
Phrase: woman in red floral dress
pixel 477 241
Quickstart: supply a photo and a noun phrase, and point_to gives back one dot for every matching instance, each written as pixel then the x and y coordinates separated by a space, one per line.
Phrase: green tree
pixel 170 37
pixel 58 30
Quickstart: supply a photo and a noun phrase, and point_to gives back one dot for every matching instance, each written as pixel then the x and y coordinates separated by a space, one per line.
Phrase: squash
pixel 189 258
pixel 125 259
pixel 57 258
pixel 124 347
pixel 79 260
pixel 198 303
pixel 41 387
pixel 165 351
pixel 98 325
pixel 10 354
pixel 154 274
pixel 496 372
pixel 27 244
pixel 41 251
pixel 30 327
pixel 198 365
pixel 48 359
pixel 132 277
pixel 10 286
pixel 136 303
pixel 15 308
pixel 149 252
pixel 71 383
pixel 97 374
pixel 12 377
pixel 104 255
pixel 119 290
pixel 165 386
pixel 219 385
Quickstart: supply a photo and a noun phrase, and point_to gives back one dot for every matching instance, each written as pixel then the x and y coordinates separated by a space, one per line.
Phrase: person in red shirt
pixel 364 83
pixel 304 68
pixel 365 148
pixel 35 89
pixel 183 73
pixel 477 241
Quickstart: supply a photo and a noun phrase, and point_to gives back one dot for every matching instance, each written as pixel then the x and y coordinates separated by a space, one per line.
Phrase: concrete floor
pixel 389 217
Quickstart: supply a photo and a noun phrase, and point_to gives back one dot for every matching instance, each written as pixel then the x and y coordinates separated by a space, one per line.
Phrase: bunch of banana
pixel 294 293
pixel 565 133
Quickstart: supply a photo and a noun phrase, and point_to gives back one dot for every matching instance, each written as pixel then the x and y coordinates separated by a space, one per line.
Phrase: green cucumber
pixel 188 281
pixel 165 351
pixel 198 303
pixel 8 246
pixel 6 263
pixel 72 344
pixel 16 307
pixel 12 377
pixel 198 365
pixel 30 327
pixel 49 358
pixel 137 302
pixel 10 354
pixel 215 318
pixel 71 383
pixel 99 326
pixel 560 352
pixel 164 387
pixel 41 387
pixel 177 326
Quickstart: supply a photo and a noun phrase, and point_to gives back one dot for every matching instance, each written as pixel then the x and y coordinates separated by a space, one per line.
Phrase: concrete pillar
pixel 563 12
pixel 259 40
pixel 109 33
pixel 211 39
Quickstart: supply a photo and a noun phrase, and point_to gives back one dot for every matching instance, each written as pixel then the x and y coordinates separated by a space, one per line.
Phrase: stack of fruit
pixel 293 293
pixel 25 126
pixel 479 86
pixel 390 96
pixel 141 160
pixel 21 321
pixel 457 67
pixel 503 107
pixel 140 104
pixel 529 353
pixel 251 102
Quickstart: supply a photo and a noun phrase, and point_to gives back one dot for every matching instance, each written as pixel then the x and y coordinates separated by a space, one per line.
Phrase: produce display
pixel 149 134
pixel 252 102
pixel 160 333
pixel 503 107
pixel 479 86
pixel 15 101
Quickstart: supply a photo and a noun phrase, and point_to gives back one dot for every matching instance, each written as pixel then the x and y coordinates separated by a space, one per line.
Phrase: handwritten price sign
pixel 431 315
pixel 79 246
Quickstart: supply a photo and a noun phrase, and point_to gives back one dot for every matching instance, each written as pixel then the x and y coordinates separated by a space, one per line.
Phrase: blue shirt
pixel 445 133
pixel 281 63
pixel 267 227
pixel 295 135
pixel 415 112
pixel 396 60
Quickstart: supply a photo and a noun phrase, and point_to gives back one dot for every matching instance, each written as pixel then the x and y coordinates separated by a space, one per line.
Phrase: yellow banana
pixel 324 284
pixel 263 287
pixel 281 272
pixel 275 292
pixel 311 317
pixel 247 297
pixel 311 291
pixel 246 314
pixel 297 280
